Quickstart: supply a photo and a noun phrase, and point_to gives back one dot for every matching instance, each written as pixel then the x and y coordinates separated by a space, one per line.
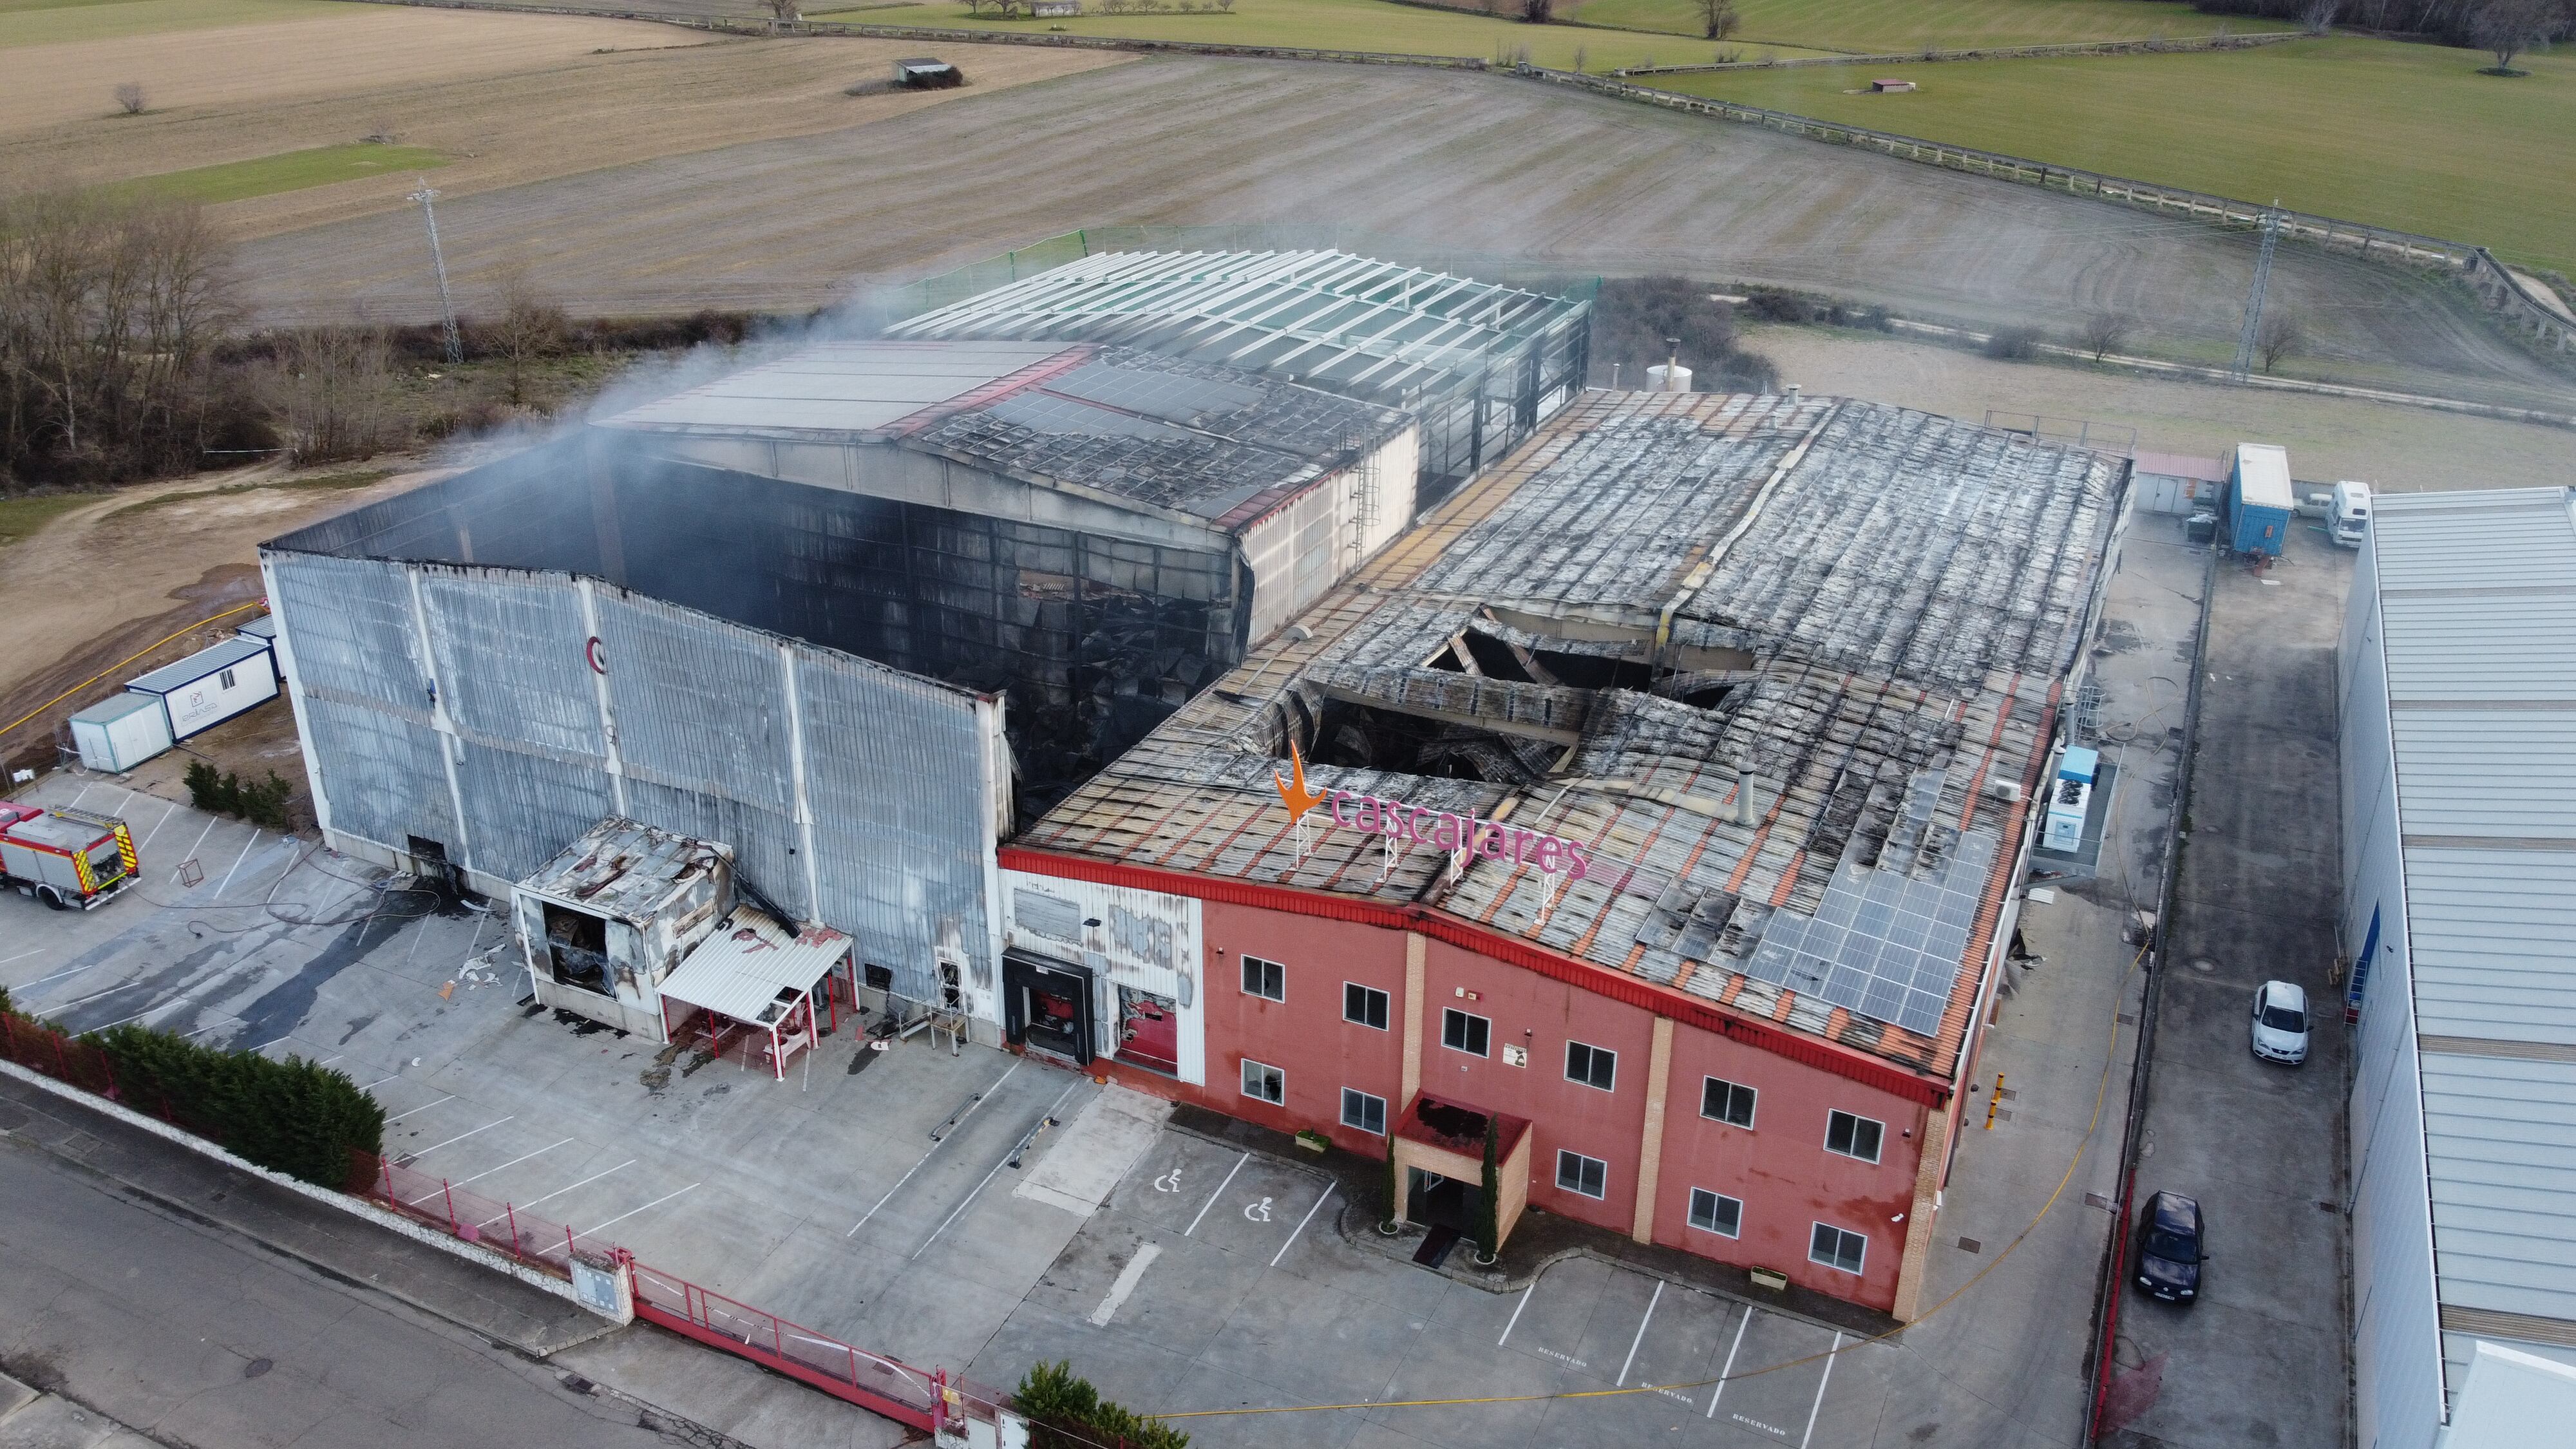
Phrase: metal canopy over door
pixel 1046 1006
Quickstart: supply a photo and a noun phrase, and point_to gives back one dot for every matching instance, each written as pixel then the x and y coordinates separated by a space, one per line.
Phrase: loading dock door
pixel 1046 1006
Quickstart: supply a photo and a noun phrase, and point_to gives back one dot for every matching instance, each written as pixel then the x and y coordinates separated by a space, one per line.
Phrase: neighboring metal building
pixel 1479 365
pixel 780 612
pixel 1677 774
pixel 2458 672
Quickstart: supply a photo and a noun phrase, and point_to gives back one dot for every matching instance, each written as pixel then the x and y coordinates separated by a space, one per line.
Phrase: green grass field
pixel 46 22
pixel 286 171
pixel 24 517
pixel 1886 27
pixel 1346 25
pixel 2403 136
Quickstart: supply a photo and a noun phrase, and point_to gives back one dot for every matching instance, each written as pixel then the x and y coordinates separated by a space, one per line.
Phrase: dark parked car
pixel 2170 1247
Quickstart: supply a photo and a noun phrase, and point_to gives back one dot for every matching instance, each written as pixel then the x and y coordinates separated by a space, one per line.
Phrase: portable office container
pixel 211 685
pixel 115 735
pixel 2259 499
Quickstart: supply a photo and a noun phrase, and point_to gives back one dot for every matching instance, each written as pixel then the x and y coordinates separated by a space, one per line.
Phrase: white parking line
pixel 263 1046
pixel 1740 1325
pixel 415 940
pixel 201 838
pixel 1826 1378
pixel 378 1082
pixel 237 865
pixel 156 826
pixel 84 794
pixel 1212 1197
pixel 423 1107
pixel 513 1162
pixel 1301 1226
pixel 980 1099
pixel 1128 1278
pixel 1516 1313
pixel 459 1137
pixel 621 1217
pixel 1631 1360
pixel 585 1182
pixel 23 955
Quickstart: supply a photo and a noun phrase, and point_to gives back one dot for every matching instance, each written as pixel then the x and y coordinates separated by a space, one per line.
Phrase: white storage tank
pixel 211 685
pixel 115 735
pixel 1668 377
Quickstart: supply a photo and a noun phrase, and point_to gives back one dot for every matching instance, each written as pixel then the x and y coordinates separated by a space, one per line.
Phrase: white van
pixel 2350 518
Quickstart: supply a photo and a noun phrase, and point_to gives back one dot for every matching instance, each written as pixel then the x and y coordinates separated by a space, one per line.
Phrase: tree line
pixel 2504 27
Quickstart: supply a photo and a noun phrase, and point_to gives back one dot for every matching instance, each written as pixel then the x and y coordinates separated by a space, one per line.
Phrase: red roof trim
pixel 1441 926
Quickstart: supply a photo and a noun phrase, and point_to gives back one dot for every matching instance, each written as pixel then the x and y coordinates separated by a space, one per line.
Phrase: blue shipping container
pixel 2259 500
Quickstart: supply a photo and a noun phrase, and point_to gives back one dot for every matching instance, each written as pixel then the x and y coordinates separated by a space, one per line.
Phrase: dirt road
pixel 101 582
pixel 1484 163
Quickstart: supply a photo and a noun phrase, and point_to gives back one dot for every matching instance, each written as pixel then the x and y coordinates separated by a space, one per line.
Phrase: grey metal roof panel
pixel 198 665
pixel 837 387
pixel 2500 1143
pixel 2486 934
pixel 117 707
pixel 2492 772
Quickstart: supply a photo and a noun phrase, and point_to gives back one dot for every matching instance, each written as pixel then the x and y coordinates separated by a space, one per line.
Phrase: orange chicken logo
pixel 1296 796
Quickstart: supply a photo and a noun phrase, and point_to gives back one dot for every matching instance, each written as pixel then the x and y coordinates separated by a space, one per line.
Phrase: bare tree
pixel 2507 28
pixel 2319 16
pixel 2280 335
pixel 2104 332
pixel 129 97
pixel 529 328
pixel 110 310
pixel 334 393
pixel 1718 18
pixel 786 12
pixel 1538 12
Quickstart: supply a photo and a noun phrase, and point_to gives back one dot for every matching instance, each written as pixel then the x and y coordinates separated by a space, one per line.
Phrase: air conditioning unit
pixel 2008 791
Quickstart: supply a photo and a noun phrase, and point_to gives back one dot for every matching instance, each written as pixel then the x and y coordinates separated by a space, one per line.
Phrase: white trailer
pixel 115 735
pixel 211 685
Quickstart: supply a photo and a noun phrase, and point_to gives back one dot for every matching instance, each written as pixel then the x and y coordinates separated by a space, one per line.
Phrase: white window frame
pixel 1752 1100
pixel 1878 1141
pixel 1249 962
pixel 1593 1055
pixel 1279 1076
pixel 1350 1095
pixel 1449 1012
pixel 1562 1154
pixel 1715 1198
pixel 1835 1262
pixel 1371 996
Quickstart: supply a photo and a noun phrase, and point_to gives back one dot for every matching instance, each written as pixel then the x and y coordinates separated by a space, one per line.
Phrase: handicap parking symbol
pixel 1257 1212
pixel 1168 1182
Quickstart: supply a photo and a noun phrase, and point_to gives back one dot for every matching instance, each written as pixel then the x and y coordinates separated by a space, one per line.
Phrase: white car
pixel 2281 1023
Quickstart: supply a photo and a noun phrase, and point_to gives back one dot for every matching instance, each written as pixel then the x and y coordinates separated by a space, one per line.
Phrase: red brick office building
pixel 1659 800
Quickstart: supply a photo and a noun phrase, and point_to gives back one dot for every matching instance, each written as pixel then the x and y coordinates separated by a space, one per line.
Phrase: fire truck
pixel 69 859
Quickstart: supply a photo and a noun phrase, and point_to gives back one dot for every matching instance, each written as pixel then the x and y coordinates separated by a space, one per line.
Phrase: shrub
pixel 292 1116
pixel 1770 304
pixel 262 803
pixel 1065 1412
pixel 2013 344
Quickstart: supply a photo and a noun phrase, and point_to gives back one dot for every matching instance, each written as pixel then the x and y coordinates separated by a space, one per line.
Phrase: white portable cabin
pixel 115 735
pixel 212 685
pixel 263 632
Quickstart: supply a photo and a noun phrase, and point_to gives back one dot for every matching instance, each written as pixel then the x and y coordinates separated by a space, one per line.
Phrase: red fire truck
pixel 69 859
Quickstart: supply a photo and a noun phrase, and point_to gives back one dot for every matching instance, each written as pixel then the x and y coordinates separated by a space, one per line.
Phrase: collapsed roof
pixel 1765 660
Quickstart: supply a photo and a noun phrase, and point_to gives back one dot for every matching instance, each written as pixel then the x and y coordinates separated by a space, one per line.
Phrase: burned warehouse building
pixel 840 614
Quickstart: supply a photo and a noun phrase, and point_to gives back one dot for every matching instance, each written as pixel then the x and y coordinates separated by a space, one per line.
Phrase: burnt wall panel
pixel 764 842
pixel 699 706
pixel 382 775
pixel 520 809
pixel 511 655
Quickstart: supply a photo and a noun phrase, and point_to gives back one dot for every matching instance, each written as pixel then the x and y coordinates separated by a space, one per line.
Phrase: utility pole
pixel 2254 298
pixel 447 305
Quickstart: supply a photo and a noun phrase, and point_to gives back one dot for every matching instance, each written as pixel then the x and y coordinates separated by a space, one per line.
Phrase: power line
pixel 2254 298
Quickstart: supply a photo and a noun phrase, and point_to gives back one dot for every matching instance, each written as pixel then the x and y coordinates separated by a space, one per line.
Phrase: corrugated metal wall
pixel 700 720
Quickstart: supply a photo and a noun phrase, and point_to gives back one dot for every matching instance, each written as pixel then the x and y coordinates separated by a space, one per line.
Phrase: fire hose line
pixel 2100 1091
pixel 128 659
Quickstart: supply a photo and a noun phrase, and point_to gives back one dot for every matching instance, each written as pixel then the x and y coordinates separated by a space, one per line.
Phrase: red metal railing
pixel 512 1231
pixel 64 1058
pixel 907 1395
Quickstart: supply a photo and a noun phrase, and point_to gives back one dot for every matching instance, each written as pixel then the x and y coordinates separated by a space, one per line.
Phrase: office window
pixel 1363 1004
pixel 224 680
pixel 1363 1111
pixel 1460 1031
pixel 1267 979
pixel 1836 1248
pixel 1265 1082
pixel 1727 1102
pixel 1715 1212
pixel 1591 1065
pixel 1587 1175
pixel 1853 1136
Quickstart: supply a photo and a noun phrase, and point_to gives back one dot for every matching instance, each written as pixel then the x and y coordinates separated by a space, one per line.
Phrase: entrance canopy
pixel 756 975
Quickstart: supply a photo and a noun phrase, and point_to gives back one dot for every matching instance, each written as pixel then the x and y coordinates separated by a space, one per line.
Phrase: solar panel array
pixel 1885 943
